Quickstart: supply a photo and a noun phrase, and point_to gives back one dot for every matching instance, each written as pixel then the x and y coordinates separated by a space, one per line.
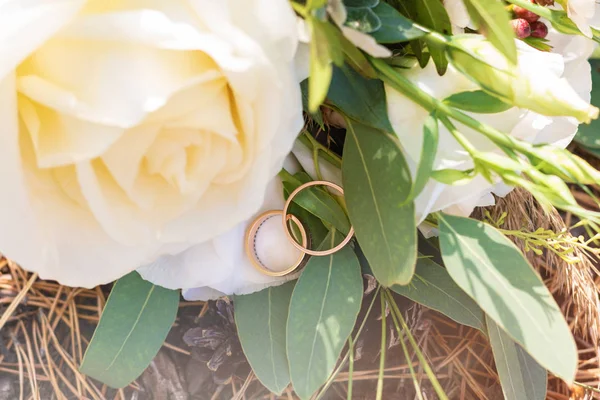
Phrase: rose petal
pixel 26 24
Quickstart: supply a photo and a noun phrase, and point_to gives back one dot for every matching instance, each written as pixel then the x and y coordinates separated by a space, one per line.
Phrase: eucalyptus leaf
pixel 428 153
pixel 395 28
pixel 432 14
pixel 134 324
pixel 317 201
pixel 261 320
pixel 588 135
pixel 433 288
pixel 522 378
pixel 493 22
pixel 323 311
pixel 492 270
pixel 477 101
pixel 377 183
pixel 359 98
pixel 362 19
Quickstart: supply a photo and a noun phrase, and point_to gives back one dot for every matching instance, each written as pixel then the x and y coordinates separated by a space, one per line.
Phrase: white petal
pixel 366 43
pixel 26 24
pixel 457 12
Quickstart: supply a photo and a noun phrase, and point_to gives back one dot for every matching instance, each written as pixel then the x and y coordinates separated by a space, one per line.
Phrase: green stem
pixel 350 366
pixel 379 393
pixel 539 10
pixel 312 143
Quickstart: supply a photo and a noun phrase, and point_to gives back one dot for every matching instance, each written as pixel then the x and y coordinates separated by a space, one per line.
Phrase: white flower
pixel 582 13
pixel 135 129
pixel 457 12
pixel 407 119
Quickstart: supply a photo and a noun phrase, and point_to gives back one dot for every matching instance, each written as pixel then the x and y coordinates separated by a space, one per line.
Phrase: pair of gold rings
pixel 304 237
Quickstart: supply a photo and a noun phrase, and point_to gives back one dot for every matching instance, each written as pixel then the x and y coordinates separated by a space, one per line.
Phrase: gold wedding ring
pixel 284 216
pixel 251 243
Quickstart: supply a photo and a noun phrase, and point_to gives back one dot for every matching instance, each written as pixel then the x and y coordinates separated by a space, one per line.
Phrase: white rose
pixel 407 119
pixel 135 129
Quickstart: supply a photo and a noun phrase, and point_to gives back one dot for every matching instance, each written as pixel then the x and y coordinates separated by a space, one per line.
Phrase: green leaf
pixel 317 201
pixel 492 270
pixel 522 378
pixel 433 15
pixel 433 288
pixel 359 98
pixel 477 101
pixel 493 22
pixel 589 134
pixel 428 153
pixel 362 19
pixel 134 324
pixel 538 43
pixel 395 28
pixel 323 311
pixel 409 10
pixel 261 320
pixel 316 116
pixel 377 183
pixel 451 176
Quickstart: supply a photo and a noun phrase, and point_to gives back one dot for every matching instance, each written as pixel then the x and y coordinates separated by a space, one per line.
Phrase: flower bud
pixel 521 27
pixel 538 29
pixel 523 85
pixel 527 15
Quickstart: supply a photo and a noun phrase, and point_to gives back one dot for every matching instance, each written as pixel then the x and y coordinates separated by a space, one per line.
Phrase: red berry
pixel 538 29
pixel 521 27
pixel 527 15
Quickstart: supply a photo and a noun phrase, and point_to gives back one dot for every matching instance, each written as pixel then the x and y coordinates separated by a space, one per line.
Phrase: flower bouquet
pixel 277 151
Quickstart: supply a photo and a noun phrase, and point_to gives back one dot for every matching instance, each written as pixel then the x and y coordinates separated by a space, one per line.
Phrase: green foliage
pixel 493 21
pixel 477 101
pixel 377 184
pixel 522 378
pixel 433 288
pixel 261 320
pixel 317 201
pixel 490 269
pixel 589 135
pixel 433 15
pixel 541 44
pixel 323 311
pixel 134 324
pixel 395 28
pixel 359 98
